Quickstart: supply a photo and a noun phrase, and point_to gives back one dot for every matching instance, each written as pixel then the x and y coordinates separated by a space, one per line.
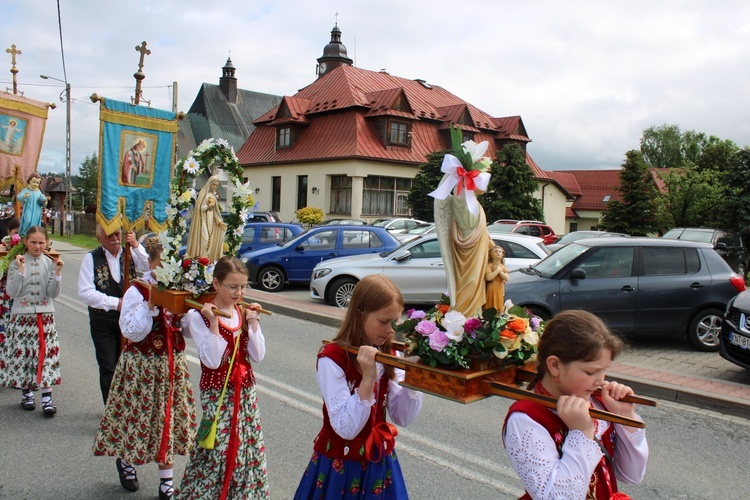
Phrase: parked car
pixel 343 222
pixel 726 243
pixel 416 267
pixel 527 227
pixel 415 232
pixel 397 224
pixel 735 331
pixel 271 268
pixel 636 285
pixel 580 235
pixel 258 235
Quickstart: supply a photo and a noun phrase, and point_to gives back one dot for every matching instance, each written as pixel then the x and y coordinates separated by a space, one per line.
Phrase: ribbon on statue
pixel 456 176
pixel 381 441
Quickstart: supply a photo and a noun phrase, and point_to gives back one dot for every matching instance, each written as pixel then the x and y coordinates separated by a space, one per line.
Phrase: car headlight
pixel 319 273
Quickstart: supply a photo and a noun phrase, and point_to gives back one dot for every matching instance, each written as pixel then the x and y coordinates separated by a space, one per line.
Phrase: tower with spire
pixel 334 53
pixel 228 82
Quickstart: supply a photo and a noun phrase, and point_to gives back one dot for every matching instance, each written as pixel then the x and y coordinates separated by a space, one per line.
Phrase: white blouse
pixel 545 474
pixel 349 414
pixel 136 319
pixel 211 347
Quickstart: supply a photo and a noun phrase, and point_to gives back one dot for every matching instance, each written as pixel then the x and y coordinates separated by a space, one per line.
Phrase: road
pixel 451 451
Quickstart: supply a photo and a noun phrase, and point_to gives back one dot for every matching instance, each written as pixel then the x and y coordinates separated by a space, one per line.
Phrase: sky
pixel 586 77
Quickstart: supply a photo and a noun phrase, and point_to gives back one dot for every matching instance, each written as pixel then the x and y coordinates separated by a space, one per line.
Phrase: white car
pixel 415 232
pixel 416 267
pixel 395 225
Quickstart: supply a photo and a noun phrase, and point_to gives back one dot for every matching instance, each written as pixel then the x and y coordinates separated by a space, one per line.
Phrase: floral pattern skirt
pixel 204 474
pixel 134 418
pixel 5 304
pixel 19 361
pixel 334 478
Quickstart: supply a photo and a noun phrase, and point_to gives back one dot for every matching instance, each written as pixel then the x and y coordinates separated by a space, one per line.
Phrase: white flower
pixel 239 231
pixel 506 307
pixel 476 151
pixel 204 145
pixel 222 142
pixel 170 211
pixel 191 166
pixel 453 322
pixel 166 240
pixel 530 337
pixel 245 214
pixel 168 271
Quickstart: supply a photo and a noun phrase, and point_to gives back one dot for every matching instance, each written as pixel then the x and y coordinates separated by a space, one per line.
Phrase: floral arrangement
pixel 195 275
pixel 445 338
pixel 15 246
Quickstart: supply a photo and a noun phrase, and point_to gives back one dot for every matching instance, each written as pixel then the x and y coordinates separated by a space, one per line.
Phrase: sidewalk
pixel 668 377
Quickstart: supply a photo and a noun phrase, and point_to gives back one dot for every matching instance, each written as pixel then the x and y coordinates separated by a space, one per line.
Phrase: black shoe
pixel 166 495
pixel 128 477
pixel 27 401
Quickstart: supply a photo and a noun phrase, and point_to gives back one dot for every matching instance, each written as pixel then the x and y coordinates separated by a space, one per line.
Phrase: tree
pixel 691 197
pixel 668 147
pixel 427 179
pixel 636 213
pixel 738 197
pixel 510 194
pixel 86 186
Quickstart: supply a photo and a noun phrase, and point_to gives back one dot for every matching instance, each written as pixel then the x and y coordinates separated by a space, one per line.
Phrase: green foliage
pixel 636 214
pixel 310 215
pixel 669 147
pixel 738 197
pixel 510 194
pixel 691 198
pixel 86 187
pixel 427 179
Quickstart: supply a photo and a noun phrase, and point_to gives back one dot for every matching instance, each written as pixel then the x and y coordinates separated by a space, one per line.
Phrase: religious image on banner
pixel 136 151
pixel 136 167
pixel 22 123
pixel 12 134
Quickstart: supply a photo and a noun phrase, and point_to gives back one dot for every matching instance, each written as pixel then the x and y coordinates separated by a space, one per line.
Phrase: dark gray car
pixel 636 285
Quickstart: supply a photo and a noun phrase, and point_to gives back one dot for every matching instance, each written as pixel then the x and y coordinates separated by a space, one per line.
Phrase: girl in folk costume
pixel 353 455
pixel 8 242
pixel 566 453
pixel 236 466
pixel 31 352
pixel 496 276
pixel 150 412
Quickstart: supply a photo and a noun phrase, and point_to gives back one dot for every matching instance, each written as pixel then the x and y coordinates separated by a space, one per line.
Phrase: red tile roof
pixel 595 185
pixel 342 108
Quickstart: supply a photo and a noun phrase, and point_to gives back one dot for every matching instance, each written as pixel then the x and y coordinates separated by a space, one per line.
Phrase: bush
pixel 310 215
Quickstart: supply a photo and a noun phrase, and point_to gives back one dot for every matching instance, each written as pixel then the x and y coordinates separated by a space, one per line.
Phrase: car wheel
pixel 271 279
pixel 742 271
pixel 341 292
pixel 545 315
pixel 704 330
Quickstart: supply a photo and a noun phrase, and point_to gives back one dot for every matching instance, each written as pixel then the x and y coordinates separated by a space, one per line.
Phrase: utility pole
pixel 68 205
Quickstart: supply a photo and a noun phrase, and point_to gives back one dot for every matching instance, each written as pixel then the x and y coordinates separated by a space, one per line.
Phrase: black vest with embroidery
pixel 103 281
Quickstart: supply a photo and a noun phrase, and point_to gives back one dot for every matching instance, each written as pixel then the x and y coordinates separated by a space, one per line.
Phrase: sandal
pixel 128 476
pixel 166 490
pixel 48 408
pixel 27 401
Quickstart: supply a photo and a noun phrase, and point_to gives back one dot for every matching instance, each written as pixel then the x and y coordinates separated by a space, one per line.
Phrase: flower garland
pixel 15 246
pixel 195 275
pixel 445 338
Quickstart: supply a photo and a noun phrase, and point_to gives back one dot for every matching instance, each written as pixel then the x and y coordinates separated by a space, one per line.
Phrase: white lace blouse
pixel 545 474
pixel 211 347
pixel 136 319
pixel 348 414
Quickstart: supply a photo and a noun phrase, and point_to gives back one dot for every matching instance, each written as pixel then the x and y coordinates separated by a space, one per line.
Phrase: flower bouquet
pixel 447 339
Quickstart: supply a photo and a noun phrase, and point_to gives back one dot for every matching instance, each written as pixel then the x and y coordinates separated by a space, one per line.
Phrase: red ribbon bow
pixel 381 441
pixel 466 176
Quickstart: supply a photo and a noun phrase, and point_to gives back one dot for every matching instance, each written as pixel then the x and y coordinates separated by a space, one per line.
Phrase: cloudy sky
pixel 586 76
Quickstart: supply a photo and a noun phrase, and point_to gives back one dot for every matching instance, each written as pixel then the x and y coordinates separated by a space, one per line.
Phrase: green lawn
pixel 78 240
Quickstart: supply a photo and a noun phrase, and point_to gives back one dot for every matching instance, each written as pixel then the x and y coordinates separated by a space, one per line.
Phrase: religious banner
pixel 22 122
pixel 136 151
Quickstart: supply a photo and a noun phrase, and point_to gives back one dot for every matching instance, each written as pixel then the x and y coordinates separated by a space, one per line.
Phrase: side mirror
pixel 404 255
pixel 721 246
pixel 578 274
pixel 299 248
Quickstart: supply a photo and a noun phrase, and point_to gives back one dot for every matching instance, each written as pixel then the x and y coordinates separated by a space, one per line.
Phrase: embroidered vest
pixel 214 379
pixel 331 444
pixel 603 484
pixel 103 280
pixel 165 324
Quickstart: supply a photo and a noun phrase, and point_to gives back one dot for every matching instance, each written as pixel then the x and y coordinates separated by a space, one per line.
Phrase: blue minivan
pixel 271 268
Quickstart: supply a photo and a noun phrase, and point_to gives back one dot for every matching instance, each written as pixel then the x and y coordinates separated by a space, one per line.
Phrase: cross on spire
pixel 139 76
pixel 144 52
pixel 13 51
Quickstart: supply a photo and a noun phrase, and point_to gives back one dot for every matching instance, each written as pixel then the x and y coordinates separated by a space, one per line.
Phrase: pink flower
pixel 438 340
pixel 425 327
pixel 15 239
pixel 535 322
pixel 471 325
pixel 417 314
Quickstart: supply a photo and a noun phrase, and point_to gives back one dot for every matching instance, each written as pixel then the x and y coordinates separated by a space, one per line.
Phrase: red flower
pixel 186 263
pixel 443 308
pixel 203 261
pixel 508 334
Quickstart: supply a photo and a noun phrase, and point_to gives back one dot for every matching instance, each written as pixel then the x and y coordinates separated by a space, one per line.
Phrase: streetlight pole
pixel 67 208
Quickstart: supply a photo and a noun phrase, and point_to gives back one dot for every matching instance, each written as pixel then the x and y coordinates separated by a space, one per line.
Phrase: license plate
pixel 739 340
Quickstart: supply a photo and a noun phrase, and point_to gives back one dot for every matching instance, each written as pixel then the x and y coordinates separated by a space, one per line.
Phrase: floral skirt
pixel 20 359
pixel 134 418
pixel 5 304
pixel 204 474
pixel 330 479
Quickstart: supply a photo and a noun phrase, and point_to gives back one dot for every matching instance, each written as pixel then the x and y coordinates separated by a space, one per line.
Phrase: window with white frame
pixel 284 139
pixel 398 133
pixel 385 196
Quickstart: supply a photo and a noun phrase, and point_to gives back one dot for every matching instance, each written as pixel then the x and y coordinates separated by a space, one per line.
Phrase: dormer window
pixel 284 137
pixel 399 133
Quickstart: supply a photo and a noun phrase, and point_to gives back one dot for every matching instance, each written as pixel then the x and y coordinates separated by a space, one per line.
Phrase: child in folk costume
pixel 236 466
pixel 353 455
pixel 8 242
pixel 31 352
pixel 150 411
pixel 566 453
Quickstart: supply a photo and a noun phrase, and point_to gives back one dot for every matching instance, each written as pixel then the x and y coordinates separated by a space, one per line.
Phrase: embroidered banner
pixel 22 122
pixel 136 151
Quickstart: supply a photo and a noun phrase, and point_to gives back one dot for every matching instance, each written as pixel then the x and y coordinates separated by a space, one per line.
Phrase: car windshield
pixel 700 236
pixel 551 264
pixel 571 237
pixel 381 222
pixel 420 229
